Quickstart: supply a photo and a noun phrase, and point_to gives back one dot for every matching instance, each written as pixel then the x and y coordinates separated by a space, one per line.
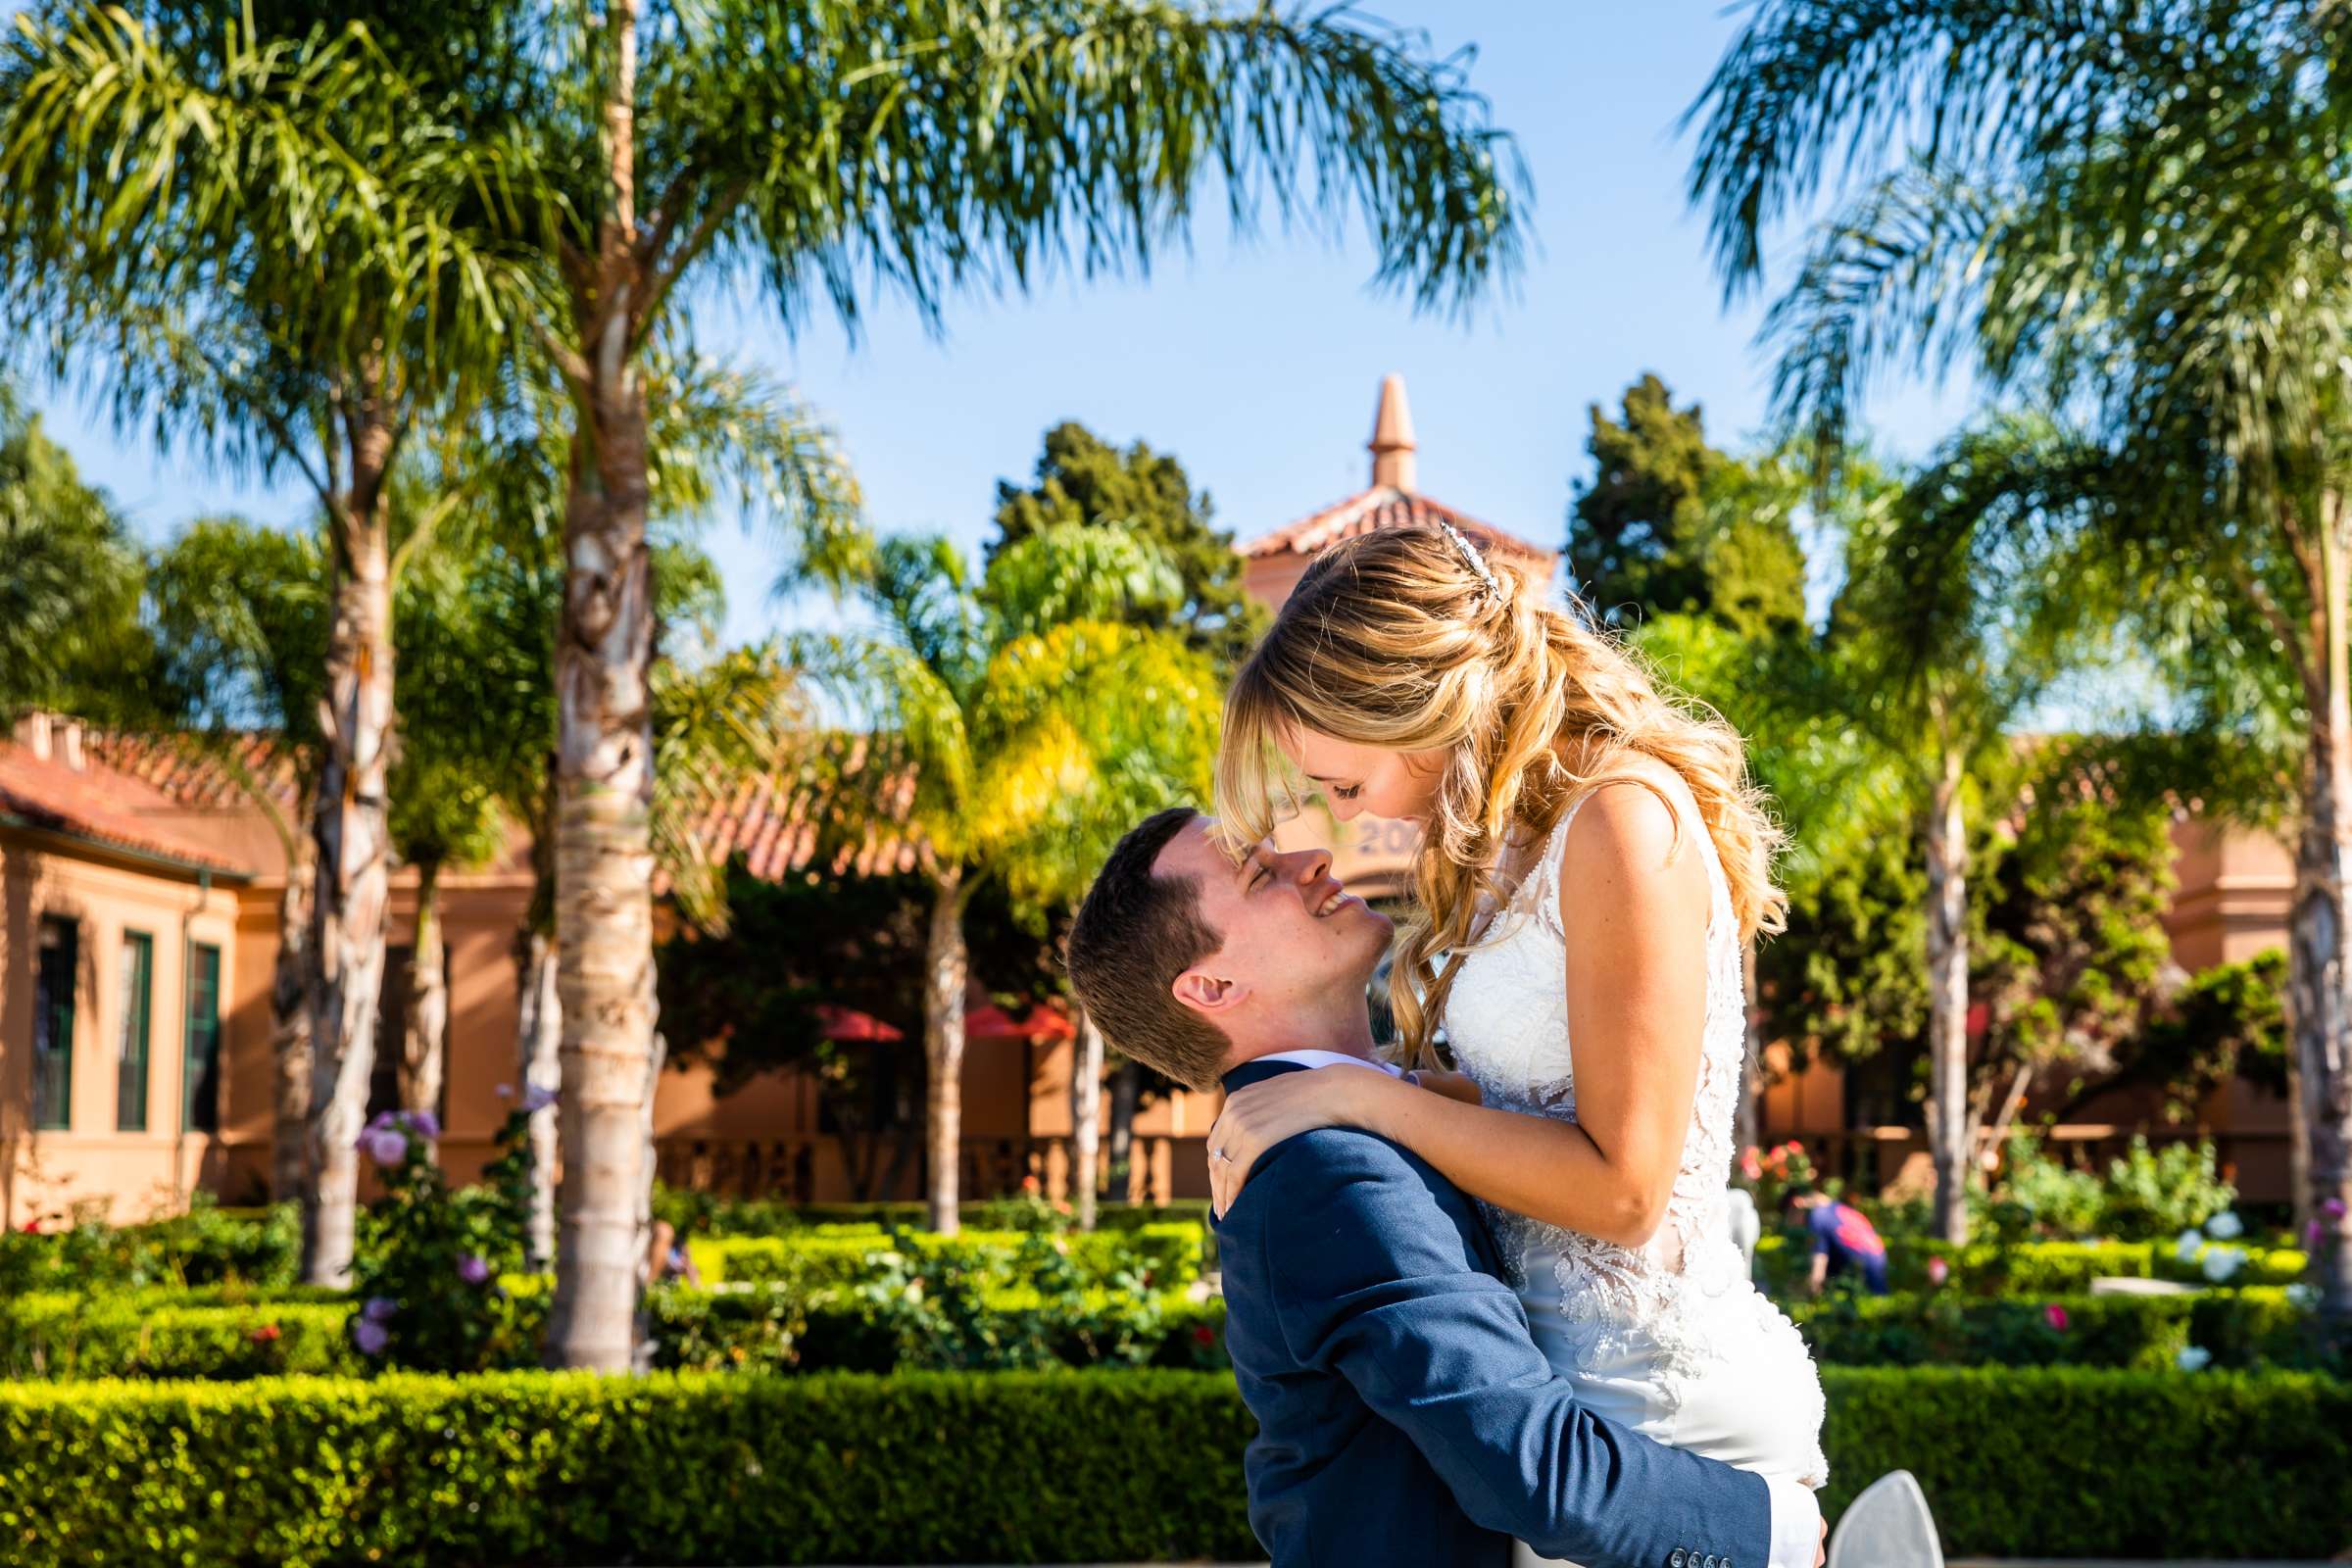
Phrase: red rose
pixel 265 1334
pixel 1204 1336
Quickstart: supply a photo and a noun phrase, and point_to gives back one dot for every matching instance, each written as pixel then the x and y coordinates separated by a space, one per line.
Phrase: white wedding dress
pixel 1671 1339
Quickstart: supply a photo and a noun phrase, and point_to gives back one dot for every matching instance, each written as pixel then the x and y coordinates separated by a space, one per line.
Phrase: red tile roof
pixel 102 807
pixel 782 823
pixel 786 822
pixel 197 775
pixel 1385 506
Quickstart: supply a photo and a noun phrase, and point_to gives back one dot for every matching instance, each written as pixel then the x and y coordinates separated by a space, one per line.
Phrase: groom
pixel 1405 1415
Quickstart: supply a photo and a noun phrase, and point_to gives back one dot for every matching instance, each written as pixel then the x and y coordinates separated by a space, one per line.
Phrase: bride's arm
pixel 1636 921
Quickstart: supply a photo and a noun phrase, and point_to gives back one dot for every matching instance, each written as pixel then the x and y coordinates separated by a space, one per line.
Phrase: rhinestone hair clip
pixel 1477 562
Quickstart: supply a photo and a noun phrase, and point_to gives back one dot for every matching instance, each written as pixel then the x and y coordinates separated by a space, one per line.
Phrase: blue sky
pixel 1258 362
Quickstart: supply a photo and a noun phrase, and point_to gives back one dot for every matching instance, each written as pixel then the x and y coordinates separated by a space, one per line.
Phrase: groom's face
pixel 1288 932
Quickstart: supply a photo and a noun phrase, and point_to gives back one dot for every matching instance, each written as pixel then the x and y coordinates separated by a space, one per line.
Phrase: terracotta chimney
pixel 33 733
pixel 1393 449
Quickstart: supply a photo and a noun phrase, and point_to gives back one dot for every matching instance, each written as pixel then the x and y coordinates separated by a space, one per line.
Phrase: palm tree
pixel 254 241
pixel 723 434
pixel 239 616
pixel 927 146
pixel 2135 214
pixel 1035 723
pixel 459 704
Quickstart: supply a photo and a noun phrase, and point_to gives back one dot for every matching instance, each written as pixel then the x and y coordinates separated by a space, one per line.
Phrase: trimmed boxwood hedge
pixel 2031 1268
pixel 63 1338
pixel 775 1328
pixel 1169 1252
pixel 942 1467
pixel 2237 1328
pixel 711 1214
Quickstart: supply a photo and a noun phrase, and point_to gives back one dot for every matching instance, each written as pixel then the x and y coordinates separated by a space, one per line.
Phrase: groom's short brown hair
pixel 1133 936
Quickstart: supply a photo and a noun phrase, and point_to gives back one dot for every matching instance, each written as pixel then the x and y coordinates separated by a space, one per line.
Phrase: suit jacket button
pixel 1710 1562
pixel 1674 1561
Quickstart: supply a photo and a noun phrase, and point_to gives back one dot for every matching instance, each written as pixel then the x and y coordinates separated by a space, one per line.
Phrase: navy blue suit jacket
pixel 1405 1415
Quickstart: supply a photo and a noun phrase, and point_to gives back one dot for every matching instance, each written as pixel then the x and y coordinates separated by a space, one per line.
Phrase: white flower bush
pixel 2193 1358
pixel 2222 1261
pixel 2224 1227
pixel 2192 1242
pixel 2303 1294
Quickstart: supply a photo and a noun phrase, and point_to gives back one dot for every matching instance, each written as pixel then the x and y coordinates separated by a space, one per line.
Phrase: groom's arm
pixel 1370 1279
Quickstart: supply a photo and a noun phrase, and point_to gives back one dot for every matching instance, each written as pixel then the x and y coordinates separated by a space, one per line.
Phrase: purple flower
pixel 385 1145
pixel 2334 1209
pixel 425 1124
pixel 504 1091
pixel 537 1099
pixel 379 1309
pixel 381 1120
pixel 472 1270
pixel 2055 1315
pixel 371 1336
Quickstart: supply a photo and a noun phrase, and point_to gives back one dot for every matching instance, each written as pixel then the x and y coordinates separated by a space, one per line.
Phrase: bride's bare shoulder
pixel 1631 835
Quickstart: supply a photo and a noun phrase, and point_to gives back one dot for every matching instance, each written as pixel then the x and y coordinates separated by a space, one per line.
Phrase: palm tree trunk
pixel 605 779
pixel 1126 1089
pixel 1946 847
pixel 290 1023
pixel 946 970
pixel 425 1035
pixel 1086 1115
pixel 2320 944
pixel 538 1031
pixel 539 1026
pixel 354 868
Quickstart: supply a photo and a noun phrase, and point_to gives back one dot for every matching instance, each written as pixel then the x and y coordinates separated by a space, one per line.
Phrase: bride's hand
pixel 1258 1117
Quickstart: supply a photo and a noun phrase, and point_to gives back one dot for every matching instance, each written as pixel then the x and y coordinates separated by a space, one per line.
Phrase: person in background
pixel 668 1259
pixel 1842 1239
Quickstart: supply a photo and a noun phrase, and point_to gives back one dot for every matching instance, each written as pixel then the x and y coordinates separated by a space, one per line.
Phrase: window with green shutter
pixel 200 1111
pixel 137 996
pixel 60 957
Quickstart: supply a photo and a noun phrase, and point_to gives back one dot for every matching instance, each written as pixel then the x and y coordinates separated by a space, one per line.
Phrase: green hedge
pixel 2238 1328
pixel 63 1338
pixel 708 1213
pixel 1168 1253
pixel 2030 1268
pixel 562 1469
pixel 206 1246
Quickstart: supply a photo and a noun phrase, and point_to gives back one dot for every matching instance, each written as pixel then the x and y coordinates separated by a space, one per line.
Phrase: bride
pixel 1593 864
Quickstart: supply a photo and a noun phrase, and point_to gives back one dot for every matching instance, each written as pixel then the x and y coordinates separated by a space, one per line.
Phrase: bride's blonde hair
pixel 1409 639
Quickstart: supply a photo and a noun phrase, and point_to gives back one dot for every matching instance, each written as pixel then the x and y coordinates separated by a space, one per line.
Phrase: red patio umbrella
pixel 992 1022
pixel 848 1023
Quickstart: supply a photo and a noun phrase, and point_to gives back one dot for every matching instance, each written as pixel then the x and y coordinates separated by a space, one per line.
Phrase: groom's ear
pixel 1206 992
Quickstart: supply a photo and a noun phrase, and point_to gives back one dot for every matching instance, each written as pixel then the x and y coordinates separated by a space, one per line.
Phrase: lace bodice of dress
pixel 1506 1019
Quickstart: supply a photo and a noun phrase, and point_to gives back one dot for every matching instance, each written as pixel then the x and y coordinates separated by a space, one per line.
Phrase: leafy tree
pixel 1081 478
pixel 1036 722
pixel 2069 951
pixel 1670 525
pixel 2012 162
pixel 2229 1021
pixel 69 580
